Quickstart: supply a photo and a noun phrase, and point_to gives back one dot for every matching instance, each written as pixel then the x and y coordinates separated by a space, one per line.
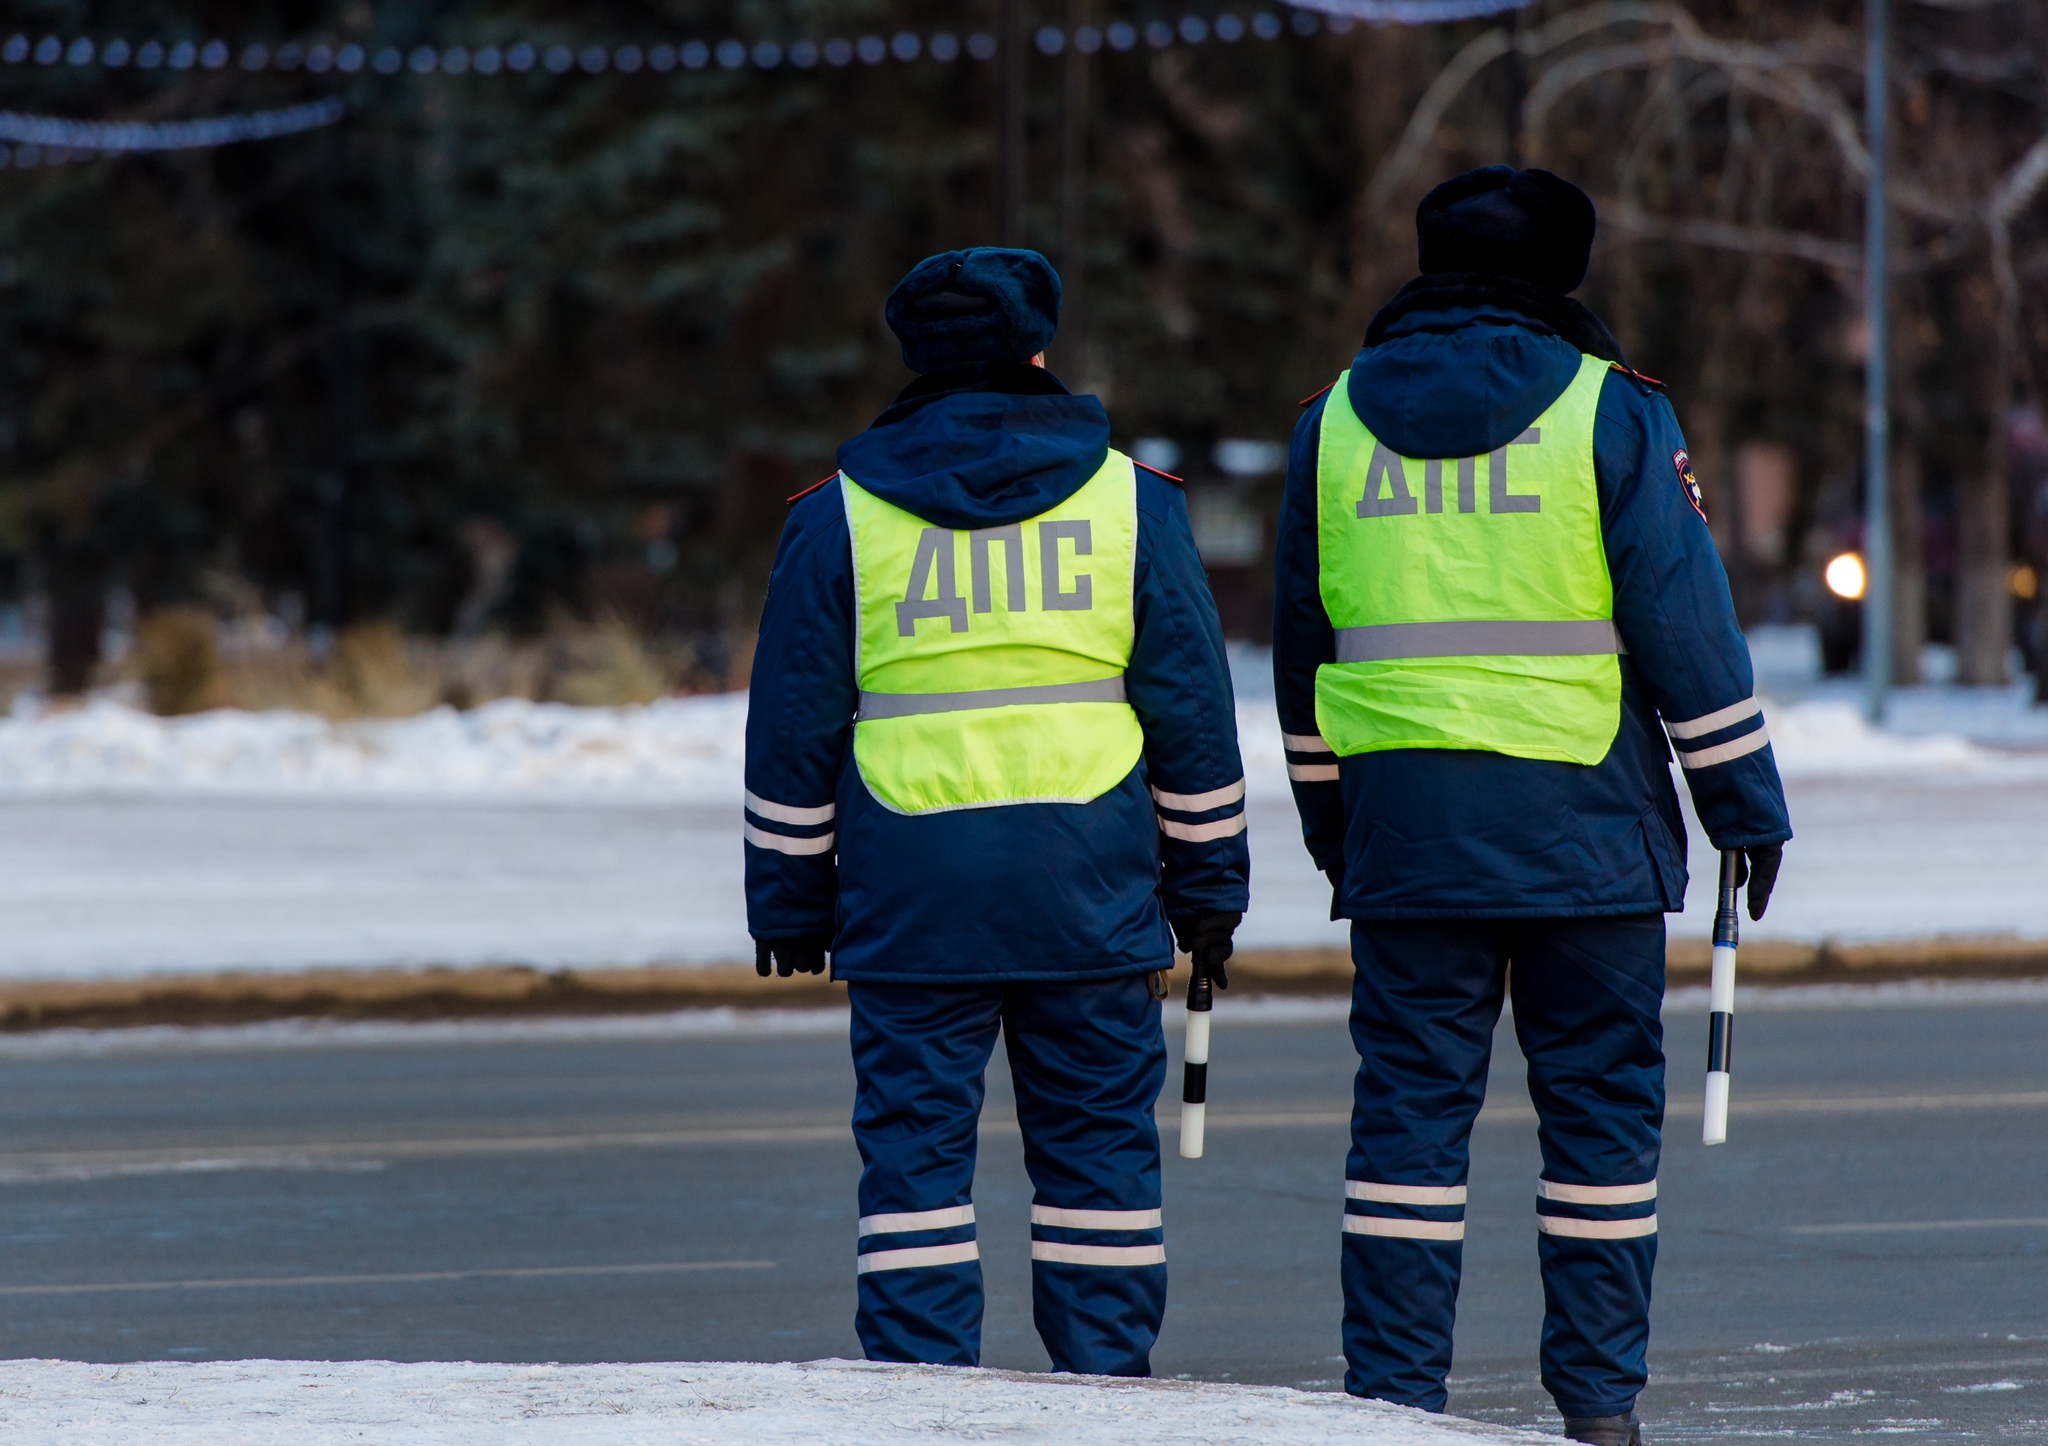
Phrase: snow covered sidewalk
pixel 558 837
pixel 846 1403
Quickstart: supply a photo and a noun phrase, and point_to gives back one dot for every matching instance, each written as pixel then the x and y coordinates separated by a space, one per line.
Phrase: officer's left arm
pixel 1677 619
pixel 799 726
pixel 1178 682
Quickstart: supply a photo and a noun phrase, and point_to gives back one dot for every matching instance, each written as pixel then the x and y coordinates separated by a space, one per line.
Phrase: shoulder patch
pixel 1681 463
pixel 1155 472
pixel 800 496
pixel 1650 382
pixel 1305 401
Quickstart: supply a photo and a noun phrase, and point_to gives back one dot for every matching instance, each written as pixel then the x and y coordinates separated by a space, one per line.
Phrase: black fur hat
pixel 1499 221
pixel 985 304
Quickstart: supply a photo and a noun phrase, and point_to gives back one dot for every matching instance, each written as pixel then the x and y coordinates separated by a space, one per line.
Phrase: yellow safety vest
pixel 1469 613
pixel 1010 690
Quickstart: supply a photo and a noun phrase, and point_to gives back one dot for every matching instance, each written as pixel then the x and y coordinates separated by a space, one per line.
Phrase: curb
pixel 515 991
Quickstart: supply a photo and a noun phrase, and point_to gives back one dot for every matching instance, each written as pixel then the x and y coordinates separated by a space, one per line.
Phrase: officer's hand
pixel 1759 868
pixel 790 956
pixel 1206 938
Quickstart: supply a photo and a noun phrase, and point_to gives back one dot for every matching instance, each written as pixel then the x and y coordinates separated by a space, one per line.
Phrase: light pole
pixel 1877 519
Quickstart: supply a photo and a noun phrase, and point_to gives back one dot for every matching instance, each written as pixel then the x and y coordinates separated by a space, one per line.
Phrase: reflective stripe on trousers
pixel 1390 642
pixel 875 706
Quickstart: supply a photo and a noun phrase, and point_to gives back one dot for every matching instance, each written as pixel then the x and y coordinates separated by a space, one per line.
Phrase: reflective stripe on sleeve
pixel 958 1254
pixel 1404 1229
pixel 784 813
pixel 1713 722
pixel 1058 1252
pixel 874 706
pixel 1199 802
pixel 1723 752
pixel 1313 772
pixel 784 844
pixel 1596 1194
pixel 897 1223
pixel 1202 832
pixel 1306 743
pixel 1391 642
pixel 1096 1219
pixel 1565 1225
pixel 1380 1194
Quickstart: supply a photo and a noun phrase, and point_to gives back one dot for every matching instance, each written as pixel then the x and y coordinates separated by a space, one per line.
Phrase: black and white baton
pixel 1721 1002
pixel 1194 1087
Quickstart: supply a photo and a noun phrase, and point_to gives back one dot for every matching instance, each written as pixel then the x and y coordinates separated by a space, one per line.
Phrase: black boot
pixel 1605 1430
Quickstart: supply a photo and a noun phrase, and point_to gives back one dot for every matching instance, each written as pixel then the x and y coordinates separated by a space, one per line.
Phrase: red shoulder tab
pixel 1314 394
pixel 812 488
pixel 1650 382
pixel 1157 473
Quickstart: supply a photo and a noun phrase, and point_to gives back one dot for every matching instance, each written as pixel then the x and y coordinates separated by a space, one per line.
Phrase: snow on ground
pixel 848 1403
pixel 554 836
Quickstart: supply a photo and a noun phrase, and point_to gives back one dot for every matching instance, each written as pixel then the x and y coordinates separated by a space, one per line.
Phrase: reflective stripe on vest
pixel 1470 612
pixel 1390 641
pixel 912 705
pixel 991 660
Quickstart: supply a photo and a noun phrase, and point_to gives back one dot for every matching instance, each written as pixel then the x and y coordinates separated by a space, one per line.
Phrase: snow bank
pixel 847 1403
pixel 678 749
pixel 684 748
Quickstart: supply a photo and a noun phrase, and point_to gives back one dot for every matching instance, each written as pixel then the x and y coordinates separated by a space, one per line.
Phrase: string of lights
pixel 904 46
pixel 31 140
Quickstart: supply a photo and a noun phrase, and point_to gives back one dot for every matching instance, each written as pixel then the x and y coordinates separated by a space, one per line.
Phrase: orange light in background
pixel 1844 576
pixel 2024 582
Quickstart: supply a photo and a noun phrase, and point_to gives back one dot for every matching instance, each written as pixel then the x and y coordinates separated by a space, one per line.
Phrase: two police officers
pixel 1496 599
pixel 992 769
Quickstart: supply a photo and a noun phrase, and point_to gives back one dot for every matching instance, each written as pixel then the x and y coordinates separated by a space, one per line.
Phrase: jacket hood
pixel 972 457
pixel 1456 369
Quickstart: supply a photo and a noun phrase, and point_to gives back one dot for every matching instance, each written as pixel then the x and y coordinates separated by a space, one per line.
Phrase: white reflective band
pixel 1059 1253
pixel 1202 832
pixel 1596 1229
pixel 783 813
pixel 1596 1194
pixel 1313 772
pixel 783 844
pixel 1722 752
pixel 1306 743
pixel 959 1254
pixel 1096 1219
pixel 1404 1194
pixel 896 1224
pixel 1197 802
pixel 1716 720
pixel 1404 1229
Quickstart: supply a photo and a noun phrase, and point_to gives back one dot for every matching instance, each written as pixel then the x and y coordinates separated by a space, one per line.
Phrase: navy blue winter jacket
pixel 1046 891
pixel 1446 833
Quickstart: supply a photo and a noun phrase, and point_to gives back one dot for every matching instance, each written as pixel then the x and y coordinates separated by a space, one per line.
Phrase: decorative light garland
pixel 52 139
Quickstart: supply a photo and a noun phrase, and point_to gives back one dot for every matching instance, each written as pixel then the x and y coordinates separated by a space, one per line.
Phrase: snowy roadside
pixel 848 1403
pixel 551 837
pixel 691 750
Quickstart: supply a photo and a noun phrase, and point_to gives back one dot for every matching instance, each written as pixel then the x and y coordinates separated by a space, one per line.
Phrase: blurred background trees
pixel 539 354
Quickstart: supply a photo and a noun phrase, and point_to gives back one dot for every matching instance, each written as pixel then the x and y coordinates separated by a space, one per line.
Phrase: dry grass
pixel 185 662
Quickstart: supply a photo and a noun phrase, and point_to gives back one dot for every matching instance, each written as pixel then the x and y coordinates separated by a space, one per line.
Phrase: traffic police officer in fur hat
pixel 992 771
pixel 1498 615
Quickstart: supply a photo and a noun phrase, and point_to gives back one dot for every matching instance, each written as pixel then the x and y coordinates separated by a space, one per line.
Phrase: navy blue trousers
pixel 1587 999
pixel 1087 1061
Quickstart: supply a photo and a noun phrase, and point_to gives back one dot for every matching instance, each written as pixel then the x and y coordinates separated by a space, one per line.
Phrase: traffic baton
pixel 1721 1002
pixel 1194 1086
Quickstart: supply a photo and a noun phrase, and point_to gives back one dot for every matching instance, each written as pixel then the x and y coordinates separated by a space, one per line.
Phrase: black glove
pixel 1758 867
pixel 1206 937
pixel 790 956
pixel 1336 878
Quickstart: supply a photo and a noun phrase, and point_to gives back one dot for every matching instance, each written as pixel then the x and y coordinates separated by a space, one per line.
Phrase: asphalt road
pixel 1867 1255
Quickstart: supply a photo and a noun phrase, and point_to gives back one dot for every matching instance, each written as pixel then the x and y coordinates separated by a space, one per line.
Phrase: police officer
pixel 1497 597
pixel 992 769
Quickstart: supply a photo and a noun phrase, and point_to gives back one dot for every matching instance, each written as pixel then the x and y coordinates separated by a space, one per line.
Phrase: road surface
pixel 1869 1253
